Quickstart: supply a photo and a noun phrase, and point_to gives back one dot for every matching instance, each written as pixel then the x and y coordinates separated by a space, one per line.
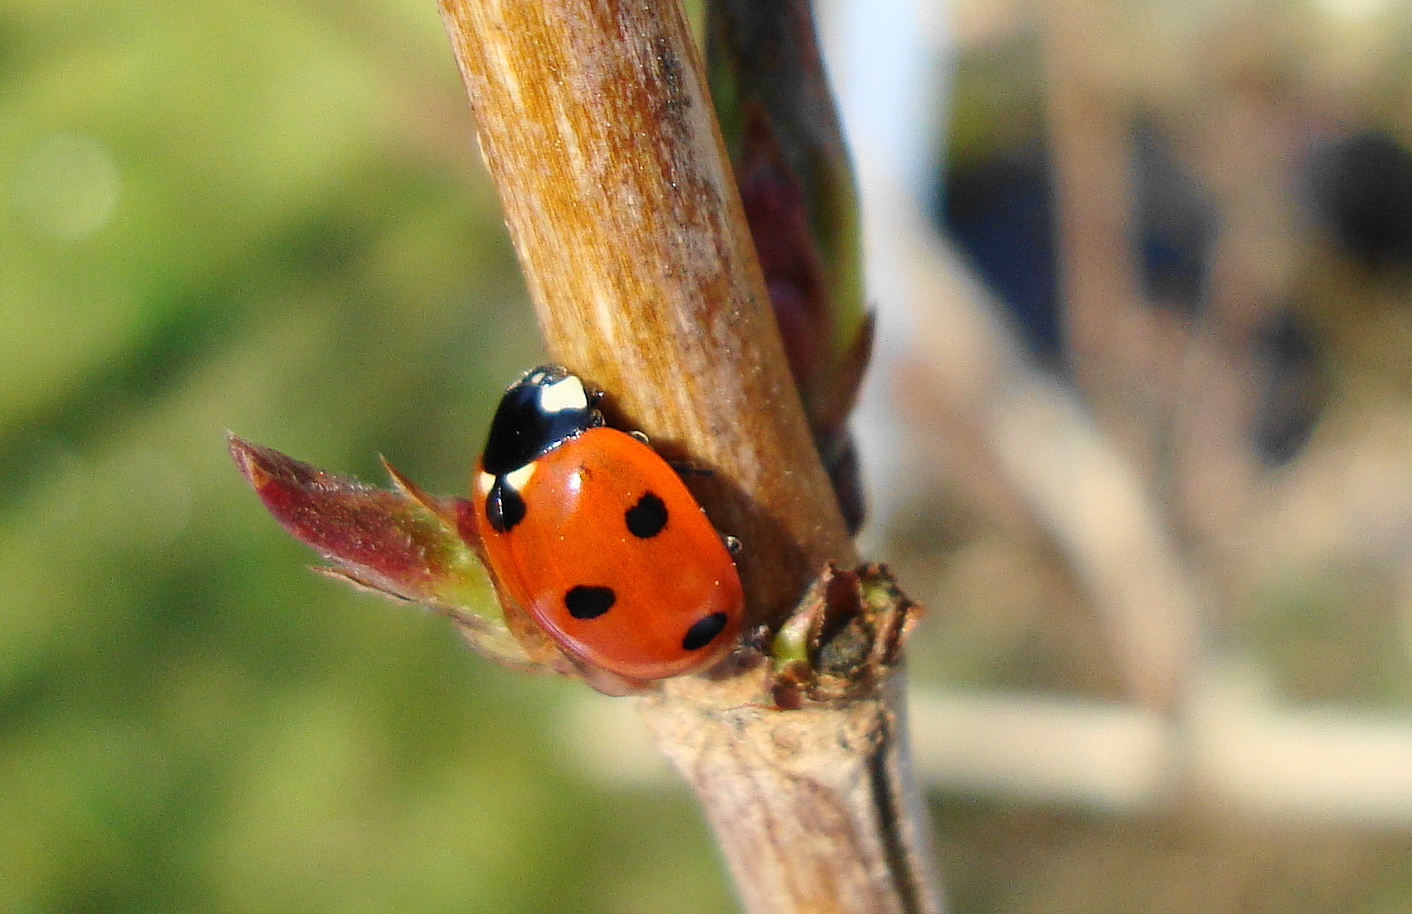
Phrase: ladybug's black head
pixel 539 412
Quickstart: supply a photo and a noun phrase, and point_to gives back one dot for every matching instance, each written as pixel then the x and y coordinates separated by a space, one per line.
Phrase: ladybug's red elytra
pixel 598 539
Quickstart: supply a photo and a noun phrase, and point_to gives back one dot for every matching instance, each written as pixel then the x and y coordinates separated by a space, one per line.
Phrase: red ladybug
pixel 596 537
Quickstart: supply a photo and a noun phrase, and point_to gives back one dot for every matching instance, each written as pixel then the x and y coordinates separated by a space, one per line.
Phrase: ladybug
pixel 597 538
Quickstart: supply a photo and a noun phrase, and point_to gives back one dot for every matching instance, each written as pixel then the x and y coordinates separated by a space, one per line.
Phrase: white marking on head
pixel 484 482
pixel 563 395
pixel 518 479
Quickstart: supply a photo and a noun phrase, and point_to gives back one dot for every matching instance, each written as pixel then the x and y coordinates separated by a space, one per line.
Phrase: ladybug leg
pixel 731 543
pixel 683 467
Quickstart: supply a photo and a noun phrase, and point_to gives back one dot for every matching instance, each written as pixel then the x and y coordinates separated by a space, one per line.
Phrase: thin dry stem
pixel 595 123
pixel 815 810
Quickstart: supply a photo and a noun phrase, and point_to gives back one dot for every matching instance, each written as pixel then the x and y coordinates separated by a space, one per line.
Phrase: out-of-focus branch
pixel 1236 749
pixel 1028 443
pixel 1112 341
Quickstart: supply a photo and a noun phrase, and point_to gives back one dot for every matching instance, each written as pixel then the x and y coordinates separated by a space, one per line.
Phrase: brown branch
pixel 815 810
pixel 595 123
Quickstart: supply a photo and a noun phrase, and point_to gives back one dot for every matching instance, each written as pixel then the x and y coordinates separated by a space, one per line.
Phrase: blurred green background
pixel 270 217
pixel 267 217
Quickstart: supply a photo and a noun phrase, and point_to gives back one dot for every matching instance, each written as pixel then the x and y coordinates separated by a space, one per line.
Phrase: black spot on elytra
pixel 586 601
pixel 504 507
pixel 704 631
pixel 647 518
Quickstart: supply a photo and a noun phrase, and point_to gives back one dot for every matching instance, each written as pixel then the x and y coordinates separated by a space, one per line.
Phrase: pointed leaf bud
pixel 400 542
pixel 796 183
